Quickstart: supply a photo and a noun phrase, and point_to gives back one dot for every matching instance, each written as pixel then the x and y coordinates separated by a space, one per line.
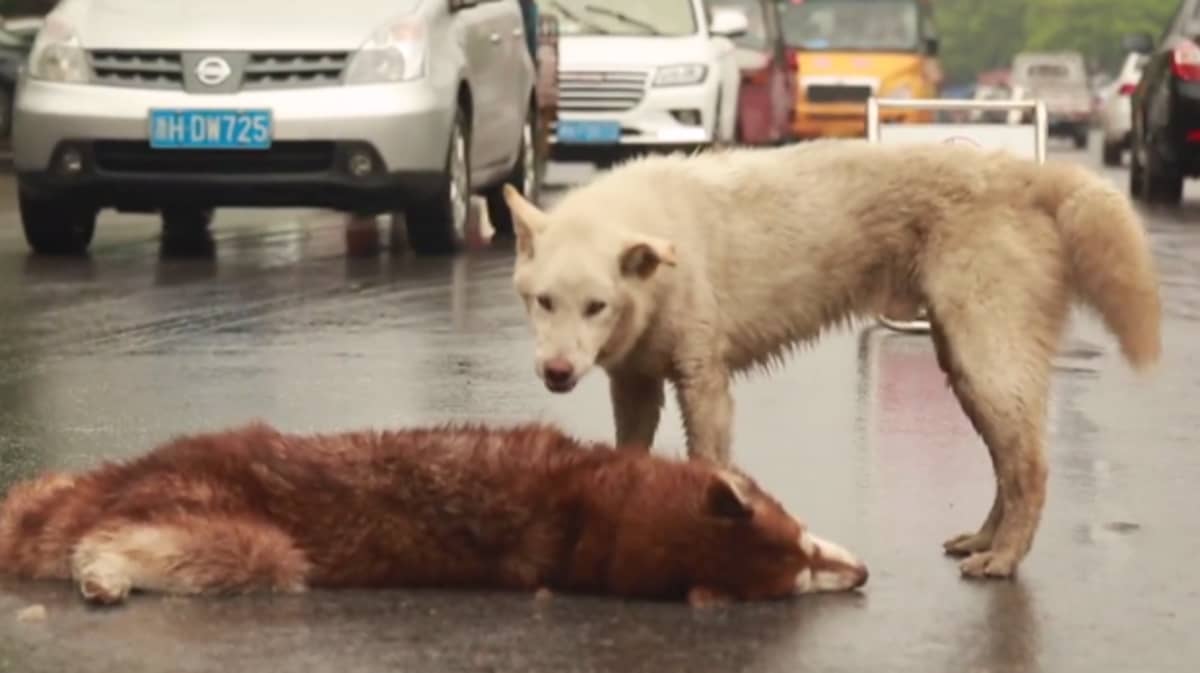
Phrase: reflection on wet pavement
pixel 293 317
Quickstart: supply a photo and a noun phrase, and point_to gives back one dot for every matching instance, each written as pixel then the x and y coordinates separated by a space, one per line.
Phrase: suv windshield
pixel 852 25
pixel 622 17
pixel 755 36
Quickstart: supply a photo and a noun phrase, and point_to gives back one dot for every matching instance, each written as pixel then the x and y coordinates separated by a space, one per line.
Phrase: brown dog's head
pixel 715 532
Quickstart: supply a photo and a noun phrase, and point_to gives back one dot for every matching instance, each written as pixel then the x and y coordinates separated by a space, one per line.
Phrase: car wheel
pixel 183 221
pixel 438 226
pixel 526 176
pixel 54 227
pixel 6 101
pixel 1081 139
pixel 1136 177
pixel 1111 153
pixel 1161 182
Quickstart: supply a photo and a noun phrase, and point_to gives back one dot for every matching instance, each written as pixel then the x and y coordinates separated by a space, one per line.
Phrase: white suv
pixel 371 106
pixel 639 76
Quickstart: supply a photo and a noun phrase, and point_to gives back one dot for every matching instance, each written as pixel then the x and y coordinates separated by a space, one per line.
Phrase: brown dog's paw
pixel 104 589
pixel 988 564
pixel 967 544
pixel 703 597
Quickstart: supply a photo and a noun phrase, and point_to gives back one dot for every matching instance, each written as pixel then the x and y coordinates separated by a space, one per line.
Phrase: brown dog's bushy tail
pixel 1111 265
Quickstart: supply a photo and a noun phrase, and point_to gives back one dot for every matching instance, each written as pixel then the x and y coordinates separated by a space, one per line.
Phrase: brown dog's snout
pixel 861 575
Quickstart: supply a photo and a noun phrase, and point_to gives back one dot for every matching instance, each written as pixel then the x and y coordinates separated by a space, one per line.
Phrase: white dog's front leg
pixel 637 407
pixel 706 403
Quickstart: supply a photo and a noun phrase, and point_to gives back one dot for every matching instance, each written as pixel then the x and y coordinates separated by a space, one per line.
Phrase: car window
pixel 867 25
pixel 755 36
pixel 623 17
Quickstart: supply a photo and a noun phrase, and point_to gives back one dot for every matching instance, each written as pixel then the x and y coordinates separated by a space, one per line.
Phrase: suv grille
pixel 837 93
pixel 146 69
pixel 282 157
pixel 289 71
pixel 262 70
pixel 600 91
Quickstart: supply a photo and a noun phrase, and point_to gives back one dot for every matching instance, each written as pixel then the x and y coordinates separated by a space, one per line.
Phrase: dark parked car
pixel 16 39
pixel 1165 142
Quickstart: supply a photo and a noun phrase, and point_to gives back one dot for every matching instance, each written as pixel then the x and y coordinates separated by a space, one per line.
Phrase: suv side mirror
pixel 1139 43
pixel 456 5
pixel 728 22
pixel 932 45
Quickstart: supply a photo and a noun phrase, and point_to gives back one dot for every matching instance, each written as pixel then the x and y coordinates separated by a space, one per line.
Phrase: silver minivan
pixel 367 106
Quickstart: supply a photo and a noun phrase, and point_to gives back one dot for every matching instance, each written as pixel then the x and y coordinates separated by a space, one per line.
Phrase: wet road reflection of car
pixel 369 106
pixel 103 356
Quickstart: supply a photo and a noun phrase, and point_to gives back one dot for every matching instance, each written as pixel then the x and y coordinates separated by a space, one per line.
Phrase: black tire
pixel 185 221
pixel 434 227
pixel 6 103
pixel 56 227
pixel 1111 153
pixel 1161 182
pixel 1081 139
pixel 1137 180
pixel 526 176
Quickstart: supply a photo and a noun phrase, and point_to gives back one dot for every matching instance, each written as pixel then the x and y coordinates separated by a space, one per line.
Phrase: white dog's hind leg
pixel 637 408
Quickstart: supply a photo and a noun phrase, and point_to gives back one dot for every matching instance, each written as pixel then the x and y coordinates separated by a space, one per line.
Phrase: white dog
pixel 690 269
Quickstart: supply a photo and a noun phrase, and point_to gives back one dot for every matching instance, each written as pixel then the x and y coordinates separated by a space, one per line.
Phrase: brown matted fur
pixel 525 508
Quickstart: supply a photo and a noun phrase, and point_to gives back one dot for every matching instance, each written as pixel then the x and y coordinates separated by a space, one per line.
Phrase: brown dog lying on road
pixel 522 508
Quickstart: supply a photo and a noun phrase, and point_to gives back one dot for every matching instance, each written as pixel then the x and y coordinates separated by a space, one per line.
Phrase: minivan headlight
pixel 57 56
pixel 394 53
pixel 680 75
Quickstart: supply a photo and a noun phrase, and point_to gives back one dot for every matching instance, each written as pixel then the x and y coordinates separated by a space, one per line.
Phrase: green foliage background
pixel 984 34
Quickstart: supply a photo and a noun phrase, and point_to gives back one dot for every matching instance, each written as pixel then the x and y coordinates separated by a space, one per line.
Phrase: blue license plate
pixel 590 133
pixel 210 129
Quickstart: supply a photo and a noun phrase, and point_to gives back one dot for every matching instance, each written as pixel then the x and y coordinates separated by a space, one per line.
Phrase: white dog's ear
pixel 528 220
pixel 642 254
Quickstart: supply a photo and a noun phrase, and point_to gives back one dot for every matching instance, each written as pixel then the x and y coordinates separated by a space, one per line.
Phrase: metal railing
pixel 1040 123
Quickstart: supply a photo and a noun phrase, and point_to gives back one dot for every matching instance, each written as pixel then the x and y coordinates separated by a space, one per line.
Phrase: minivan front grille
pixel 131 156
pixel 600 91
pixel 837 93
pixel 143 69
pixel 294 70
pixel 262 70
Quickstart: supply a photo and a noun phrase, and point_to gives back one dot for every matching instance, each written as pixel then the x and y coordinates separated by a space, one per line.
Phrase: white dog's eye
pixel 545 302
pixel 593 308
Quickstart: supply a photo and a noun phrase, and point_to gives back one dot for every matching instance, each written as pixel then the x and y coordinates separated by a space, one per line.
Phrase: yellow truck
pixel 846 51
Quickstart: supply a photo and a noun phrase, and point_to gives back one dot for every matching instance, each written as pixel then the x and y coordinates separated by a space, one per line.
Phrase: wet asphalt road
pixel 293 320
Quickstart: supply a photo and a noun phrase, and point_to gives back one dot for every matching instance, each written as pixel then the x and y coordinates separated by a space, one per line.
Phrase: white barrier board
pixel 1021 139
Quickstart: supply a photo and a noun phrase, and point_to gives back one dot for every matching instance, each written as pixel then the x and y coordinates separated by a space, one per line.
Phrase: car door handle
pixel 494 38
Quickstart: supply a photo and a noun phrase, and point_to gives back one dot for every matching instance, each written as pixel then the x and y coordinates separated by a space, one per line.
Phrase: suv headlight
pixel 57 55
pixel 394 53
pixel 680 75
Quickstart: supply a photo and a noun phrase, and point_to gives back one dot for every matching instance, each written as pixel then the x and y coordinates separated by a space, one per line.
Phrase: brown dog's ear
pixel 725 499
pixel 528 220
pixel 642 254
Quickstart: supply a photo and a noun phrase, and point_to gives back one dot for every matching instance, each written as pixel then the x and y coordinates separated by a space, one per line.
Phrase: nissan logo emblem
pixel 212 70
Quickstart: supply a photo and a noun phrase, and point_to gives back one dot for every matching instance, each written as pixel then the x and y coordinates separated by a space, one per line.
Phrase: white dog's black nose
pixel 558 373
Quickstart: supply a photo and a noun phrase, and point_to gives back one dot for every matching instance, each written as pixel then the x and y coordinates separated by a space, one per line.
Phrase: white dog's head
pixel 586 285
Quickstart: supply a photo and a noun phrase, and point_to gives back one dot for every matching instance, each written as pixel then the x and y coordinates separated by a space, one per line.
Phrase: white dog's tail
pixel 1112 268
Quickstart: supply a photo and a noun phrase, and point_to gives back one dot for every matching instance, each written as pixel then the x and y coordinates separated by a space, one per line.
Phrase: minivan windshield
pixel 622 17
pixel 852 25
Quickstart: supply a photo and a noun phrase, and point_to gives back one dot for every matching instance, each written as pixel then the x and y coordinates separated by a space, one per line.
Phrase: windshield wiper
pixel 624 18
pixel 570 14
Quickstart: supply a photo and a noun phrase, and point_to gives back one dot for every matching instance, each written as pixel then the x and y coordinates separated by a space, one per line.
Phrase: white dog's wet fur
pixel 691 269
